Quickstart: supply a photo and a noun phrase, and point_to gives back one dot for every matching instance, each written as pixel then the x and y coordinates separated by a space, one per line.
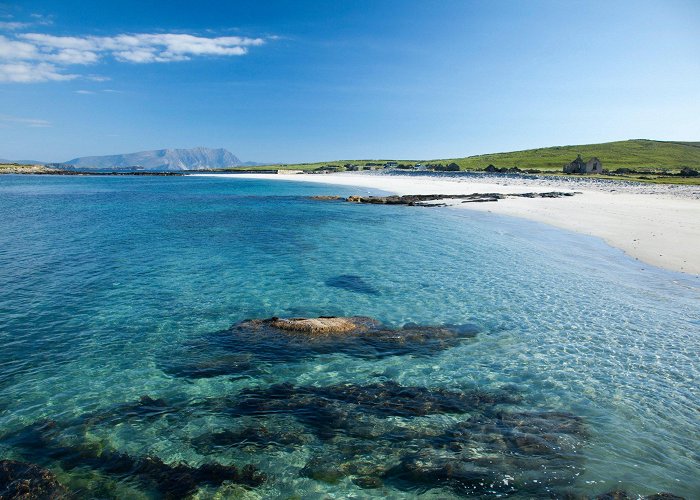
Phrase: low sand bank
pixel 657 226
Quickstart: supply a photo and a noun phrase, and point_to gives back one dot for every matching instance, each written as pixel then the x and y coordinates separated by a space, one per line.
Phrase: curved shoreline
pixel 661 230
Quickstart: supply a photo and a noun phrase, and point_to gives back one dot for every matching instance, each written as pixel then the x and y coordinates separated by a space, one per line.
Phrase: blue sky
pixel 293 81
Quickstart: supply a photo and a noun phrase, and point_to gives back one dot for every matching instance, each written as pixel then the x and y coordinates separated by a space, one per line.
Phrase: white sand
pixel 654 226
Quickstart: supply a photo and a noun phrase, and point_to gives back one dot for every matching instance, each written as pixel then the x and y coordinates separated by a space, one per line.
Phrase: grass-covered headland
pixel 638 159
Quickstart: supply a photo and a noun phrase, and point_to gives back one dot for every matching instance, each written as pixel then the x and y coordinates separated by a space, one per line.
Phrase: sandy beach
pixel 656 224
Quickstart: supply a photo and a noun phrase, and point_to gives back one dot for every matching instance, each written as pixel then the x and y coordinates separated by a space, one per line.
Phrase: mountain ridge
pixel 170 159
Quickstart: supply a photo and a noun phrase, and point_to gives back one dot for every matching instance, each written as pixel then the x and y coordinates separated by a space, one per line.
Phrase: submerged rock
pixel 343 406
pixel 623 495
pixel 20 480
pixel 491 453
pixel 247 347
pixel 250 437
pixel 177 480
pixel 353 283
pixel 505 453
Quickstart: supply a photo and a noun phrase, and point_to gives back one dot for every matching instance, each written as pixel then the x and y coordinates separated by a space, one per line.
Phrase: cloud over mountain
pixel 38 57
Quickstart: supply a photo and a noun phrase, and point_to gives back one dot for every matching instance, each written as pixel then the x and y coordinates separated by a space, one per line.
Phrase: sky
pixel 296 81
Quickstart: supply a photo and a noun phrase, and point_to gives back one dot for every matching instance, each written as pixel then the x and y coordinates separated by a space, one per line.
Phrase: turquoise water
pixel 116 288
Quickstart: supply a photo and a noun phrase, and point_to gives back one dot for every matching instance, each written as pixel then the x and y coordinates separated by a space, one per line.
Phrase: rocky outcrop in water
pixel 249 345
pixel 314 326
pixel 433 200
pixel 23 481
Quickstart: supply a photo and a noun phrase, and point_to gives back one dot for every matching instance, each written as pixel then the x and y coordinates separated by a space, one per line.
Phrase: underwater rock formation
pixel 496 453
pixel 352 283
pixel 20 480
pixel 250 437
pixel 382 399
pixel 246 347
pixel 44 441
pixel 359 411
pixel 500 454
pixel 623 495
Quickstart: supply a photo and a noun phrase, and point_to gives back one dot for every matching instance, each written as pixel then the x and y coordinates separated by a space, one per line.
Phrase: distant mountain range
pixel 161 160
pixel 22 162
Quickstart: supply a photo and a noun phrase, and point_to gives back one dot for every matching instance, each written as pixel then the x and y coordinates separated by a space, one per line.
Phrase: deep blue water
pixel 116 288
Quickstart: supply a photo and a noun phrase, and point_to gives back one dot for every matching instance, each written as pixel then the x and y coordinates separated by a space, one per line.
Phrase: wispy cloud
pixel 13 25
pixel 37 57
pixel 98 91
pixel 35 20
pixel 30 72
pixel 26 122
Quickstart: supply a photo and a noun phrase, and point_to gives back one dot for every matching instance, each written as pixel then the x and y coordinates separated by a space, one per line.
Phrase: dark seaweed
pixel 19 480
pixel 43 442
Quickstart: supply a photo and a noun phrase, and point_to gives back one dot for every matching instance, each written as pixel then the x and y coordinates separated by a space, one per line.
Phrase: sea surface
pixel 573 370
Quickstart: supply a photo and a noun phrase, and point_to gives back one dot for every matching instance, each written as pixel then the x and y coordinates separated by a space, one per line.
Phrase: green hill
pixel 637 154
pixel 649 161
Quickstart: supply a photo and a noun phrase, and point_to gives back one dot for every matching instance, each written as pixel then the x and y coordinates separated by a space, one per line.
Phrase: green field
pixel 638 154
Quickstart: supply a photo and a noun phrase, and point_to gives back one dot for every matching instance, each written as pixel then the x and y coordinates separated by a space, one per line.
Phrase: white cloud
pixel 13 25
pixel 49 55
pixel 27 122
pixel 87 92
pixel 30 72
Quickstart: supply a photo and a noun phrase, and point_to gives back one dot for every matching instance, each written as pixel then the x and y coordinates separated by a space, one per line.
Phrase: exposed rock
pixel 427 200
pixel 322 197
pixel 23 481
pixel 320 325
pixel 689 172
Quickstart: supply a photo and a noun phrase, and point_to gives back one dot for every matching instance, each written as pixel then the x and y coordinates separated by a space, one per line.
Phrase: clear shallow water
pixel 112 287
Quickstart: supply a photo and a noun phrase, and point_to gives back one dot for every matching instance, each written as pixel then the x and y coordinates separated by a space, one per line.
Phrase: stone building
pixel 578 166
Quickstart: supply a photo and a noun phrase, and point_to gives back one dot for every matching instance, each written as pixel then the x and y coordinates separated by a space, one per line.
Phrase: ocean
pixel 566 367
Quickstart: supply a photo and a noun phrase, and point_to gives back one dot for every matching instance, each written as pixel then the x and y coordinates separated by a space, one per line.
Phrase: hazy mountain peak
pixel 199 158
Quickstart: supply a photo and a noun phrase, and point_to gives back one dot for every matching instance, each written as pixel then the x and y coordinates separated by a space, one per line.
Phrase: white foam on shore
pixel 659 225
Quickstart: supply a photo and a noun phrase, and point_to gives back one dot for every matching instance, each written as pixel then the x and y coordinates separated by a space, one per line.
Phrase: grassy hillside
pixel 641 155
pixel 638 154
pixel 16 168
